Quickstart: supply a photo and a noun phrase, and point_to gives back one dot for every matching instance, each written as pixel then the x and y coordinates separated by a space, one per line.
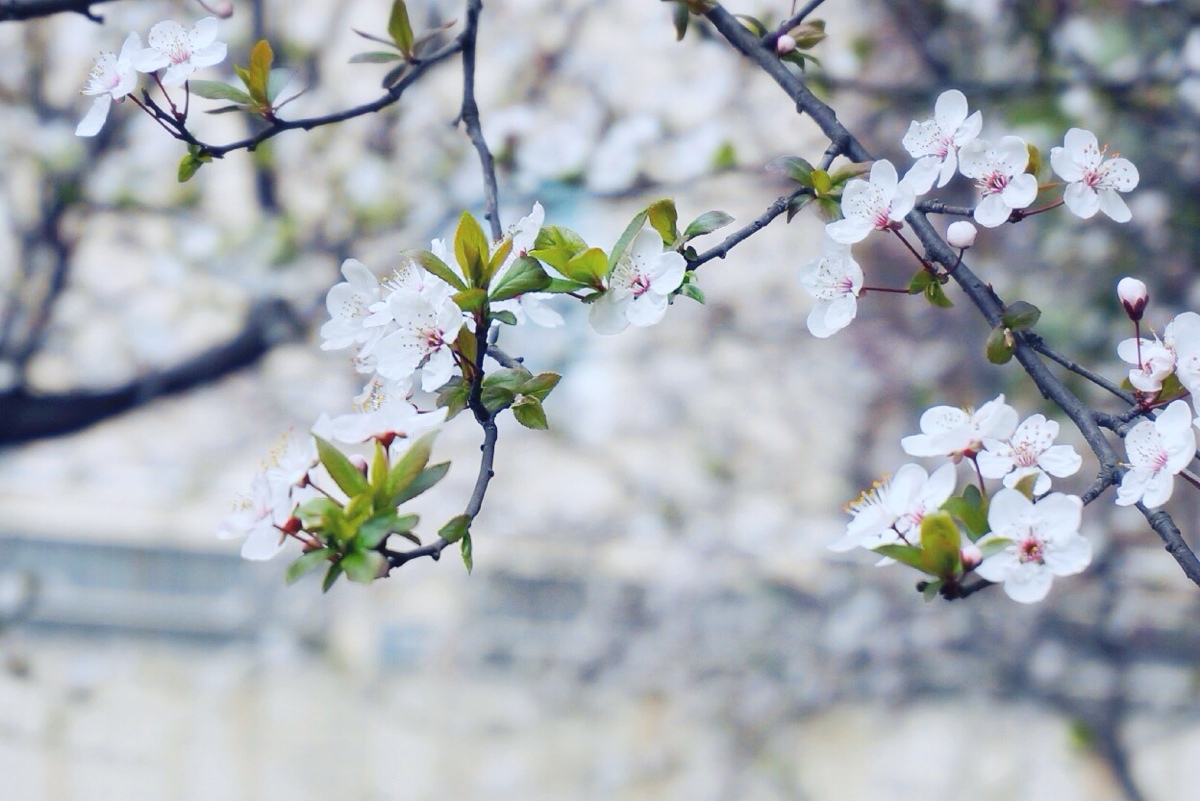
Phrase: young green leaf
pixel 424 480
pixel 362 566
pixel 259 73
pixel 529 412
pixel 215 90
pixel 706 223
pixel 941 545
pixel 341 469
pixel 540 385
pixel 436 266
pixel 455 529
pixel 588 267
pixel 375 57
pixel 664 219
pixel 307 563
pixel 626 237
pixel 453 396
pixel 400 29
pixel 526 275
pixel 465 548
pixel 332 575
pixel 409 466
pixel 471 249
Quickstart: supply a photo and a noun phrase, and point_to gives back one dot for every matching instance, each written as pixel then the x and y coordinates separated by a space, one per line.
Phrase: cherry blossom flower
pixel 1133 296
pixel 1029 451
pixel 348 303
pixel 425 327
pixel 385 414
pixel 1000 174
pixel 935 143
pixel 1157 361
pixel 872 205
pixel 834 280
pixel 112 78
pixel 1182 335
pixel 892 511
pixel 638 286
pixel 961 234
pixel 1044 542
pixel 258 518
pixel 181 51
pixel 1157 450
pixel 954 432
pixel 1093 182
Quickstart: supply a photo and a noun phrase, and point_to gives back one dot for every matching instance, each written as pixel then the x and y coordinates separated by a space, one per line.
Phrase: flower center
pixel 993 182
pixel 1031 549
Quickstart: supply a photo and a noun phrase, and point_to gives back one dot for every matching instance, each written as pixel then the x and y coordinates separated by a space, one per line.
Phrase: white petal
pixel 950 110
pixel 1069 558
pixel 1013 154
pixel 203 33
pixel 1060 461
pixel 1028 583
pixel 646 310
pixel 1021 191
pixel 1121 175
pixel 1114 206
pixel 1065 166
pixel 992 211
pixel 607 315
pixel 848 231
pixel 93 121
pixel 1082 200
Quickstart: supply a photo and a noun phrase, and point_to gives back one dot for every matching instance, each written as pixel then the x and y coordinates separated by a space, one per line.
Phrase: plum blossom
pixel 1153 362
pixel 423 328
pixel 1157 450
pixel 1093 182
pixel 112 78
pixel 961 234
pixel 638 286
pixel 1133 296
pixel 348 303
pixel 181 51
pixel 384 414
pixel 1000 174
pixel 892 511
pixel 1182 335
pixel 834 280
pixel 1030 451
pixel 954 432
pixel 1043 542
pixel 872 205
pixel 935 143
pixel 258 518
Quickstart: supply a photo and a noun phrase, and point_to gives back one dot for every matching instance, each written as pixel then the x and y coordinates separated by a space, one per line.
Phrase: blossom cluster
pixel 1022 536
pixel 171 48
pixel 946 145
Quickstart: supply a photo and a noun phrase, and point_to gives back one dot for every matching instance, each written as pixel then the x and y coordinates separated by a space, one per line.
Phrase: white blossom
pixel 872 205
pixel 954 432
pixel 1000 174
pixel 181 51
pixel 112 78
pixel 423 328
pixel 349 304
pixel 1093 182
pixel 1044 542
pixel 834 280
pixel 935 143
pixel 258 519
pixel 1153 362
pixel 1029 451
pixel 638 286
pixel 892 511
pixel 961 234
pixel 1157 449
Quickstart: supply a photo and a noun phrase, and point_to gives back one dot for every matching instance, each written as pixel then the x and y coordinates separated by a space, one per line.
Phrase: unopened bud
pixel 971 556
pixel 1134 297
pixel 359 461
pixel 961 234
pixel 221 8
pixel 784 45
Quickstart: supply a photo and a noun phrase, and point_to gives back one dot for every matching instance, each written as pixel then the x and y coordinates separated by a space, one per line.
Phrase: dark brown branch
pixel 27 416
pixel 19 10
pixel 470 119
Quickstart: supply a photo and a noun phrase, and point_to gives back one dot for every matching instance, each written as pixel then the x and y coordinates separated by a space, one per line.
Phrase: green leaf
pixel 409 466
pixel 529 413
pixel 363 567
pixel 259 72
pixel 556 236
pixel 664 219
pixel 821 182
pixel 526 275
pixel 796 204
pixel 335 571
pixel 693 291
pixel 562 285
pixel 341 469
pixel 1034 167
pixel 373 532
pixel 1026 484
pixel 588 267
pixel 680 18
pixel 314 512
pixel 504 316
pixel 937 296
pixel 971 508
pixel 455 529
pixel 1020 315
pixel 471 300
pixel 375 57
pixel 905 554
pixel 379 467
pixel 399 28
pixel 794 167
pixel 929 589
pixel 540 385
pixel 394 75
pixel 436 266
pixel 465 547
pixel 941 545
pixel 498 257
pixel 215 90
pixel 512 378
pixel 706 223
pixel 307 563
pixel 471 249
pixel 188 167
pixel 920 280
pixel 424 480
pixel 495 398
pixel 276 81
pixel 1000 345
pixel 454 396
pixel 626 237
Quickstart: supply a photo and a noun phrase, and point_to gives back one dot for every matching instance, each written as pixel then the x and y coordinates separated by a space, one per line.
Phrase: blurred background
pixel 653 612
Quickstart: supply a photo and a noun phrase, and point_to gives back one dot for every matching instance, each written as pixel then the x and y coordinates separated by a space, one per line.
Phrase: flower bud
pixel 784 45
pixel 971 556
pixel 360 462
pixel 961 234
pixel 1134 297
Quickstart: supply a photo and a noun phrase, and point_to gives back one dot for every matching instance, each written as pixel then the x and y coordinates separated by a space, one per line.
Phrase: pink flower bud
pixel 1134 297
pixel 784 45
pixel 971 556
pixel 220 8
pixel 961 234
